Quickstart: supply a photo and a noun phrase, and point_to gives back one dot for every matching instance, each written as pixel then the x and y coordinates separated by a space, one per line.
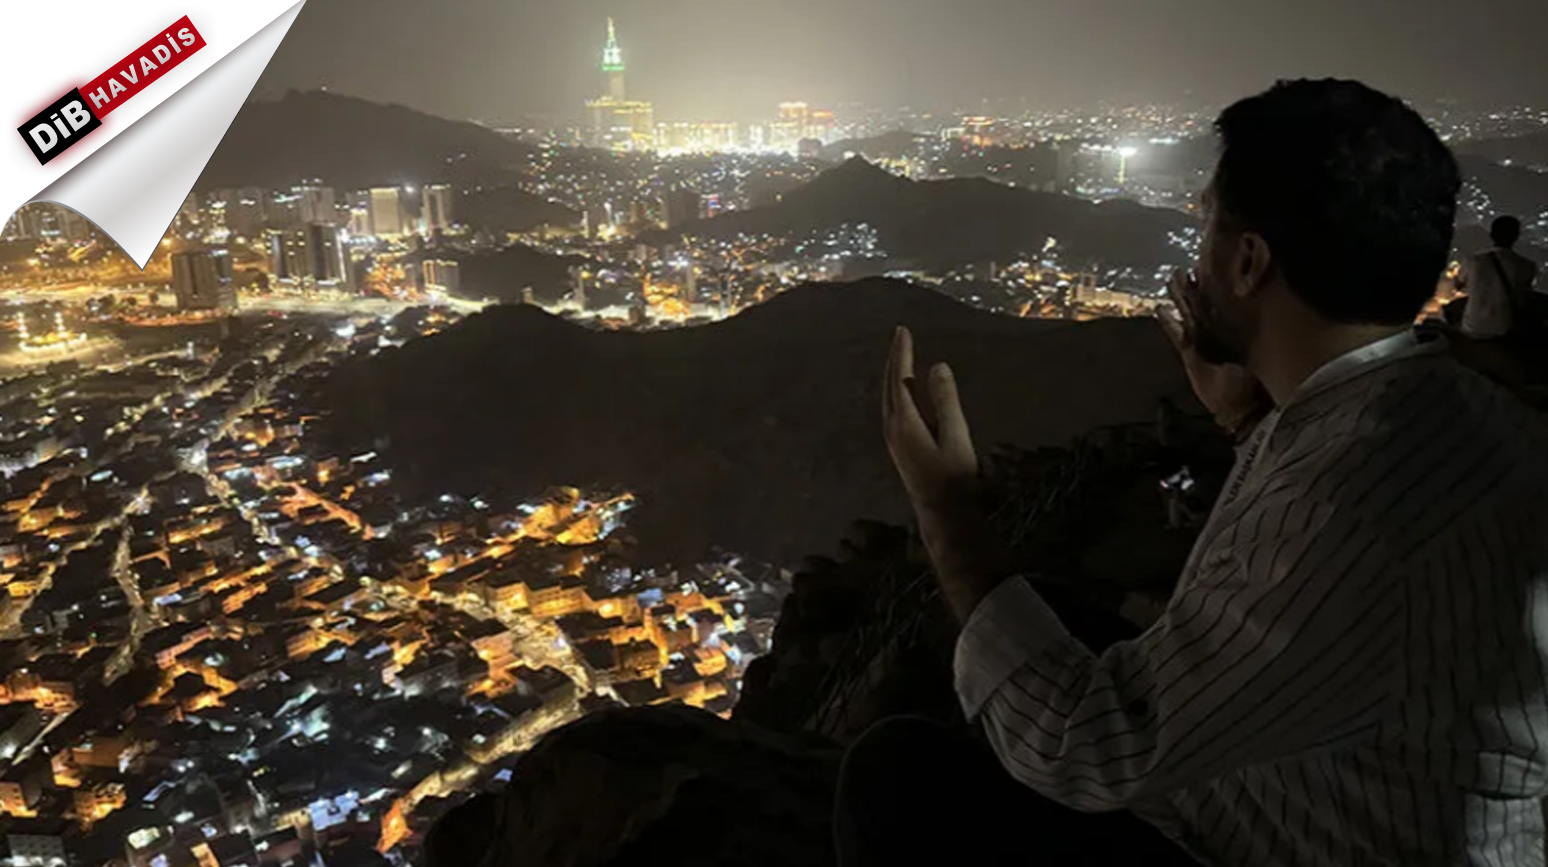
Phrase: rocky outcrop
pixel 867 636
pixel 652 786
pixel 861 637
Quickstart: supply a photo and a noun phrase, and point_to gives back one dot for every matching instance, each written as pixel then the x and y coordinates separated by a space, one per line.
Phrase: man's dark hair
pixel 1505 232
pixel 1354 193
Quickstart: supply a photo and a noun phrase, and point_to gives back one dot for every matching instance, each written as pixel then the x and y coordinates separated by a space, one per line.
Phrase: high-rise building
pixel 442 276
pixel 437 208
pixel 315 204
pixel 212 216
pixel 797 123
pixel 224 268
pixel 288 260
pixel 311 257
pixel 42 221
pixel 979 131
pixel 189 215
pixel 246 211
pixel 820 125
pixel 327 262
pixel 622 126
pixel 639 120
pixel 360 222
pixel 25 225
pixel 785 133
pixel 619 123
pixel 77 228
pixel 698 137
pixel 386 212
pixel 282 211
pixel 613 65
pixel 197 283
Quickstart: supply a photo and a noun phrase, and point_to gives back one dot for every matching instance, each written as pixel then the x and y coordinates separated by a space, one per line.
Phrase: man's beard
pixel 1216 338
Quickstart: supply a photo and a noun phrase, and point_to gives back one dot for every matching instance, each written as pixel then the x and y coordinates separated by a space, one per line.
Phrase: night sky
pixel 506 60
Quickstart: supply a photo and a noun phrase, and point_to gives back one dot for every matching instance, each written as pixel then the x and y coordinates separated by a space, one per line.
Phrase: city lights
pixel 243 610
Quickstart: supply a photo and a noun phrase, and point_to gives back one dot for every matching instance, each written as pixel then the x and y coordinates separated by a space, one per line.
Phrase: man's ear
pixel 1254 263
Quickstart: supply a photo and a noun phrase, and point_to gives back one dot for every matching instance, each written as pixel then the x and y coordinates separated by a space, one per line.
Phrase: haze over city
pixel 707 60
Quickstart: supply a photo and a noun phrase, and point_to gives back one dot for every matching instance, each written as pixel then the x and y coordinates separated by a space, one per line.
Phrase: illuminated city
pixel 228 640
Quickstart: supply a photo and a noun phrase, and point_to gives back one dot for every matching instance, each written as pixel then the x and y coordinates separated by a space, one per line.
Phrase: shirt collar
pixel 1363 358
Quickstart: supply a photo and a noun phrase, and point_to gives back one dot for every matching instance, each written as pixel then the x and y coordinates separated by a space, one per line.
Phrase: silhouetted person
pixel 1351 669
pixel 1498 282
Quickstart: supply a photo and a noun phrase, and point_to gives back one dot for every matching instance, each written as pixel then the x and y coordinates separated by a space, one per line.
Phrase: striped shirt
pixel 1351 669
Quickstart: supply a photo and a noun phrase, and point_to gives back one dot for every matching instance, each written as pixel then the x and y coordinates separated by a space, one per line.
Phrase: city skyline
pixel 701 61
pixel 417 439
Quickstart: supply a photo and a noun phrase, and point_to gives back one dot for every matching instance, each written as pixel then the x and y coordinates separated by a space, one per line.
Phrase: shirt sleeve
pixel 1280 643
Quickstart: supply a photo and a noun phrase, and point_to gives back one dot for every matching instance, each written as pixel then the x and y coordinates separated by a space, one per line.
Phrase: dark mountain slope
pixel 759 434
pixel 505 274
pixel 942 224
pixel 351 143
pixel 508 208
pixel 897 143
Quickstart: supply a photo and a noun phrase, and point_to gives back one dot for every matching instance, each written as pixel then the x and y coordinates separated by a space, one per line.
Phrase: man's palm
pixel 1229 391
pixel 935 467
pixel 940 472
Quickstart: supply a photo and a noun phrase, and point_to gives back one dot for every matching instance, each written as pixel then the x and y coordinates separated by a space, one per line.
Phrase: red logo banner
pixel 147 64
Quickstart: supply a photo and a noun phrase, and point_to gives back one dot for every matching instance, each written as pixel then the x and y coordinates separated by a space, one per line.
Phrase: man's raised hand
pixel 938 467
pixel 1229 391
pixel 940 471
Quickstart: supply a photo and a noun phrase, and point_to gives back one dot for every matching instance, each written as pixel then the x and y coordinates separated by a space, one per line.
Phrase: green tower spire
pixel 612 55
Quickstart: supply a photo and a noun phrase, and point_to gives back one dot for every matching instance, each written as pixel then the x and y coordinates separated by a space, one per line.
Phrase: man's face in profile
pixel 1223 324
